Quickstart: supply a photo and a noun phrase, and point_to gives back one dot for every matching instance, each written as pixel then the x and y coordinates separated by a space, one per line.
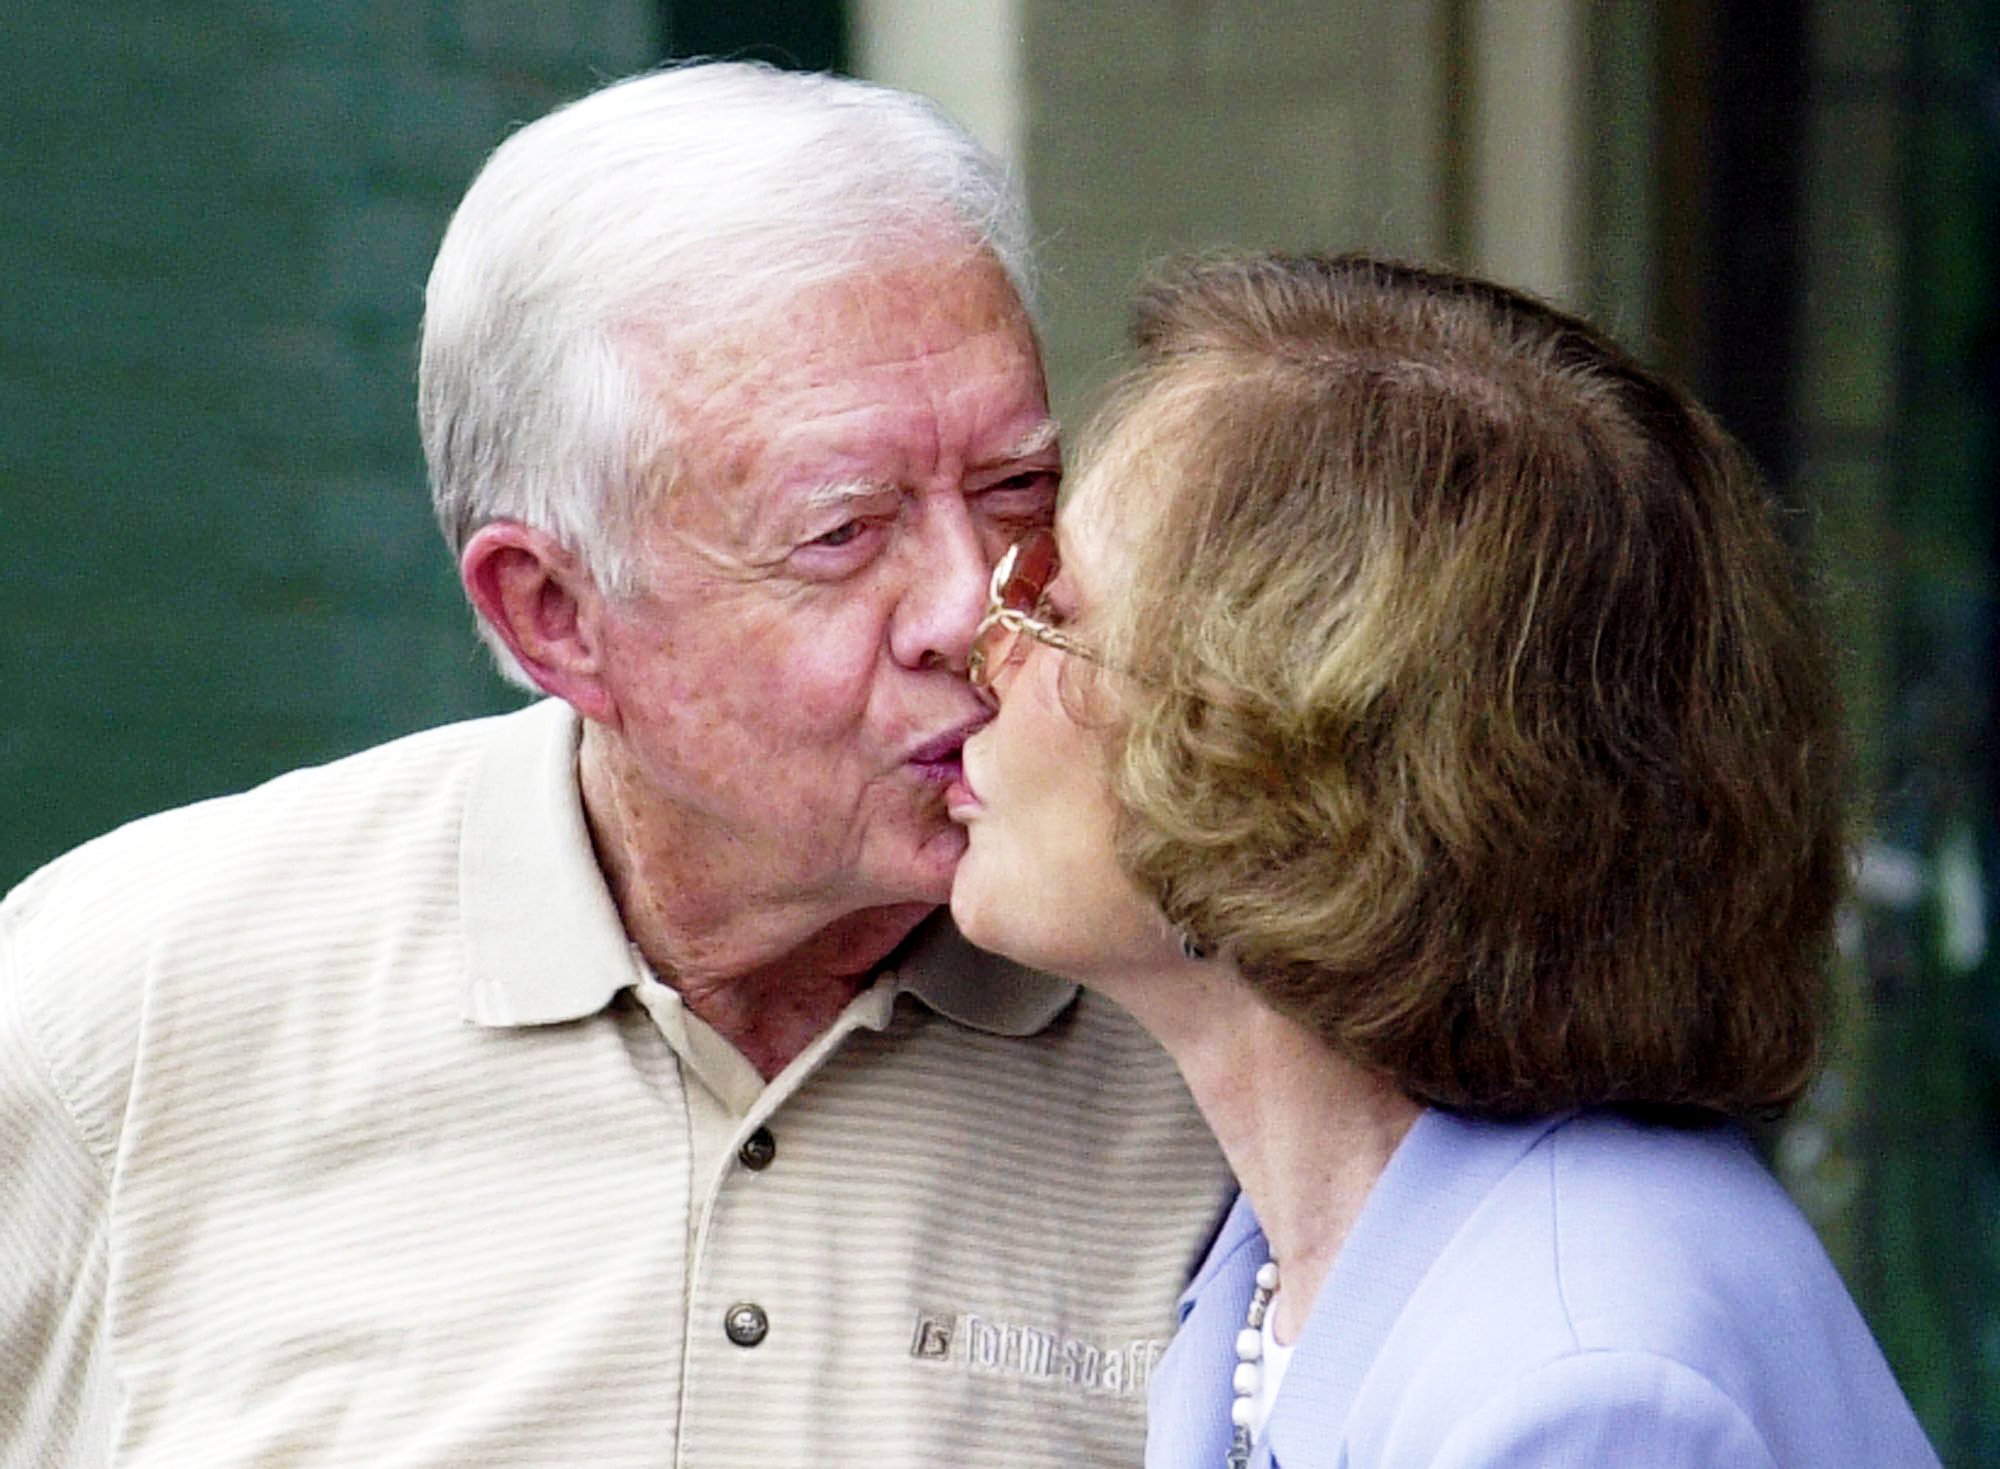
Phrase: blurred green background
pixel 216 556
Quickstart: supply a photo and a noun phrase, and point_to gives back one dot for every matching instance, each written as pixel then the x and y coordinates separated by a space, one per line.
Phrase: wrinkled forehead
pixel 927 303
pixel 910 368
pixel 927 300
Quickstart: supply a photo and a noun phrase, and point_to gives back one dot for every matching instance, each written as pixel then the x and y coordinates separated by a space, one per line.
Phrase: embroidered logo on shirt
pixel 933 1339
pixel 980 1344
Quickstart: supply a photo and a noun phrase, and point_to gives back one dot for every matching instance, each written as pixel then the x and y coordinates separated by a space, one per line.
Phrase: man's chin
pixel 934 862
pixel 910 860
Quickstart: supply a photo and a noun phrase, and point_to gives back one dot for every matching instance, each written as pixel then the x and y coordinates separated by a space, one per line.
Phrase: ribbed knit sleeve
pixel 53 1394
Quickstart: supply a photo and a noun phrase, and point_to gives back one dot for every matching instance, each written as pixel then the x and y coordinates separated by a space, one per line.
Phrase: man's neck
pixel 773 1010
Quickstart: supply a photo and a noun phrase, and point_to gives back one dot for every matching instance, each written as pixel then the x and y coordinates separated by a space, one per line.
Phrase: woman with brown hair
pixel 1420 731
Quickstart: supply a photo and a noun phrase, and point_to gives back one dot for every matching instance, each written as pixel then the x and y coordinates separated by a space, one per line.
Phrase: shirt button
pixel 758 1150
pixel 746 1324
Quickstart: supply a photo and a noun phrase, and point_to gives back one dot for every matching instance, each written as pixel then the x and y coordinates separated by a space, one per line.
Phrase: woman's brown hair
pixel 1477 715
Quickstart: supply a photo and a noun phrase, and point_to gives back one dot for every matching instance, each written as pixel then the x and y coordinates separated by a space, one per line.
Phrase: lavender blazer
pixel 1576 1291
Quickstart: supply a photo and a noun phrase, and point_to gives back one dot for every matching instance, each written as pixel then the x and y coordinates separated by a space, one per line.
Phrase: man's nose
pixel 945 595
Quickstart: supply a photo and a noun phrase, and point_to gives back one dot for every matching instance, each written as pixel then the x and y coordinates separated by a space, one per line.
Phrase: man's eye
pixel 1029 487
pixel 841 534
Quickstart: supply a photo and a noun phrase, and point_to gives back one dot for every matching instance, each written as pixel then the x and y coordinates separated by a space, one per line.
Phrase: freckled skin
pixel 753 799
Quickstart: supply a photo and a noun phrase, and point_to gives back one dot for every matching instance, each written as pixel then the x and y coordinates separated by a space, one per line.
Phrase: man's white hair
pixel 650 215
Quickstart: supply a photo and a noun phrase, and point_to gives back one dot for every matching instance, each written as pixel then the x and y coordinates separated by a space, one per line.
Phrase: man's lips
pixel 937 759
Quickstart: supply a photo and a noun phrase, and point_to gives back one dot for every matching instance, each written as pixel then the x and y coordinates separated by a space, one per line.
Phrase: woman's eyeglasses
pixel 1016 608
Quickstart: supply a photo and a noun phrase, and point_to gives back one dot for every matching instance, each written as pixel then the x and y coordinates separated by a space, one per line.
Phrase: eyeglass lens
pixel 1020 588
pixel 1034 569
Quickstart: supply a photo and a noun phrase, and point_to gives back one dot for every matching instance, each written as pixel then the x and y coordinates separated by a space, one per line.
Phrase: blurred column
pixel 964 54
pixel 1176 125
pixel 1526 138
pixel 1933 1255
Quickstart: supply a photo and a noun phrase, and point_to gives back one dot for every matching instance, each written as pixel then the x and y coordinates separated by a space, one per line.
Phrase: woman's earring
pixel 1190 948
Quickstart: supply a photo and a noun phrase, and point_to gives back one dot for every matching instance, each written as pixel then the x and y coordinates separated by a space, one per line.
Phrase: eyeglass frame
pixel 981 667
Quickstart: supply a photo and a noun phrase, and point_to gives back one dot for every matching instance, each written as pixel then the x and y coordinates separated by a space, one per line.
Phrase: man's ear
pixel 542 602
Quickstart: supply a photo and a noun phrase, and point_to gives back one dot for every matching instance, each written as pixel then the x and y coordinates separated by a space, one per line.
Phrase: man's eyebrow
pixel 1043 437
pixel 1037 440
pixel 842 492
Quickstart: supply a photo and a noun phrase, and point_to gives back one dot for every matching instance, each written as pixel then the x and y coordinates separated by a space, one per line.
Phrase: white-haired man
pixel 598 1084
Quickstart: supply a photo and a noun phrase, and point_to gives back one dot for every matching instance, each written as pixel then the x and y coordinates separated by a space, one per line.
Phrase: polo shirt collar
pixel 1221 1269
pixel 1444 1166
pixel 543 940
pixel 978 990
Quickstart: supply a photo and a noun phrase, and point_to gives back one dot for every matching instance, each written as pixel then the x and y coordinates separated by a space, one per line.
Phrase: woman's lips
pixel 961 801
pixel 960 804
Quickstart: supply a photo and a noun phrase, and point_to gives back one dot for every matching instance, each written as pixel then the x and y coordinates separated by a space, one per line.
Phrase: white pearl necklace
pixel 1249 1374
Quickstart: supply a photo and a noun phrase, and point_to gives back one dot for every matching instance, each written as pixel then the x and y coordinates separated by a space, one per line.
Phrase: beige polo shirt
pixel 340 1126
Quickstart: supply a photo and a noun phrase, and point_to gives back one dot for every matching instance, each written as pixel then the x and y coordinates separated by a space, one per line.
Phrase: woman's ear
pixel 544 605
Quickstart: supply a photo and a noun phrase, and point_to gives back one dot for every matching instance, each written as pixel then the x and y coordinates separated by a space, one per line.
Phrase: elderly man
pixel 597 1084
